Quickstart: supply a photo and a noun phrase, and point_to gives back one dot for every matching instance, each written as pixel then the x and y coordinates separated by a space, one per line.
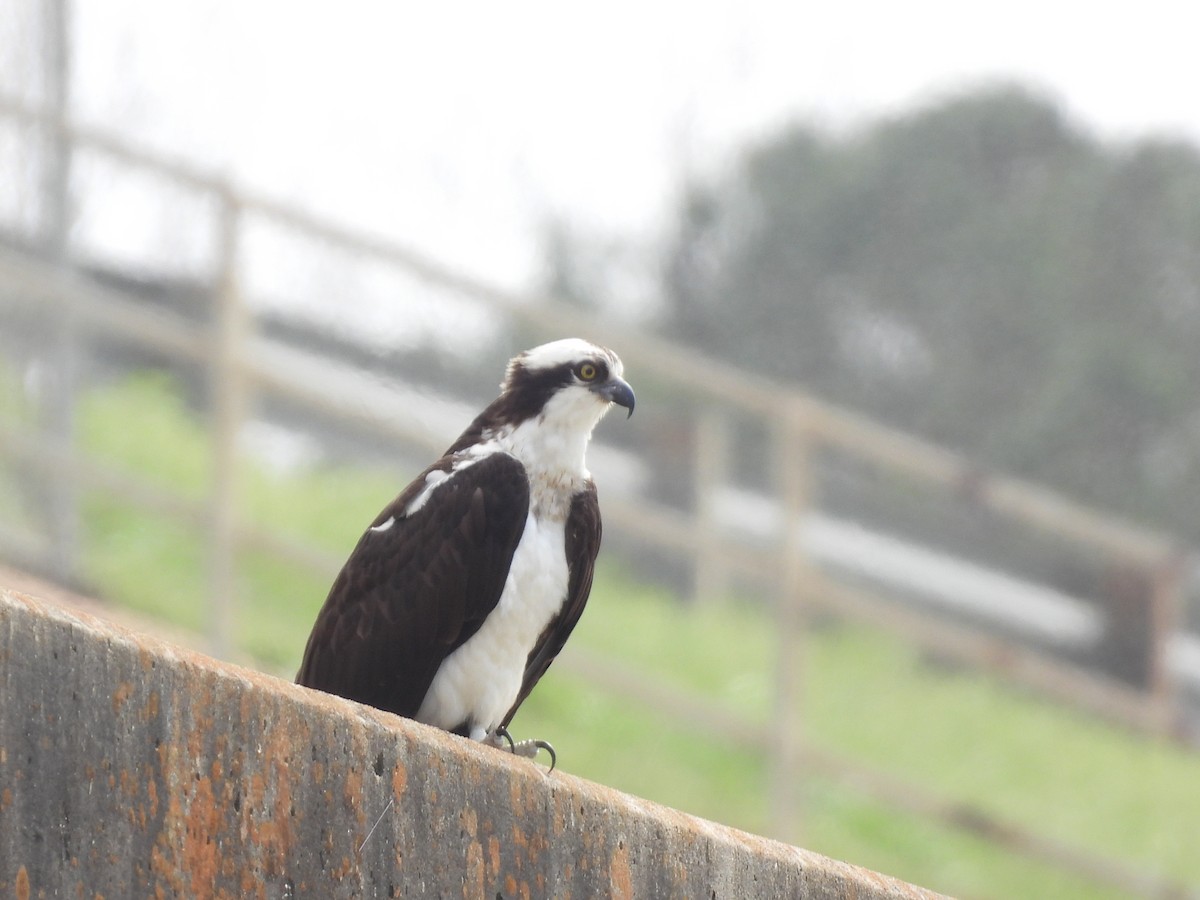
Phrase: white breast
pixel 479 681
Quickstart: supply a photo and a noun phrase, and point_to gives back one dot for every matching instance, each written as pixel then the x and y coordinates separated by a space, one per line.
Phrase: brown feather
pixel 410 595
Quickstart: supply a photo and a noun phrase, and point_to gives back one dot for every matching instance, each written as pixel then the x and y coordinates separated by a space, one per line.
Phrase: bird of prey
pixel 465 587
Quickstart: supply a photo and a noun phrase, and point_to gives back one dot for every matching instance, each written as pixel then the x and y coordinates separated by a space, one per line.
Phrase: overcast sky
pixel 458 127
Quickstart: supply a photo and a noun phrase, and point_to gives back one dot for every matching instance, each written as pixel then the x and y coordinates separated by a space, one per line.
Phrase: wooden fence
pixel 800 427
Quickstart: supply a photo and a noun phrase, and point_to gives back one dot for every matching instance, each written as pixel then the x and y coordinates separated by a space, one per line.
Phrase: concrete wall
pixel 132 768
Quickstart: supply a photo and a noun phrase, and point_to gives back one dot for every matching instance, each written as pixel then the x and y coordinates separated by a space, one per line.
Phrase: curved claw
pixel 530 748
pixel 545 745
pixel 497 737
pixel 502 732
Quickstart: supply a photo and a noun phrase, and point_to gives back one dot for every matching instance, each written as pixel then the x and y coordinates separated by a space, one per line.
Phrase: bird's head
pixel 570 382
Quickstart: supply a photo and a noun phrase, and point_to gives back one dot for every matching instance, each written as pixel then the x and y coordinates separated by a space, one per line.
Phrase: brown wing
pixel 412 592
pixel 582 544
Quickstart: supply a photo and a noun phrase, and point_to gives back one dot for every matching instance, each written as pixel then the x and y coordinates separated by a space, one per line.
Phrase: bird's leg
pixel 498 737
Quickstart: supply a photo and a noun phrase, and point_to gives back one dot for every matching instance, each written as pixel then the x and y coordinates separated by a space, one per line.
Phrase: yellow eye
pixel 587 372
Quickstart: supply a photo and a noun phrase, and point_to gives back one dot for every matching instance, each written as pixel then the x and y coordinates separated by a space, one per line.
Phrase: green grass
pixel 142 427
pixel 870 698
pixel 15 410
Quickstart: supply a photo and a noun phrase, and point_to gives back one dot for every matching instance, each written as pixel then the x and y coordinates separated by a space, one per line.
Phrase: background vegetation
pixel 983 272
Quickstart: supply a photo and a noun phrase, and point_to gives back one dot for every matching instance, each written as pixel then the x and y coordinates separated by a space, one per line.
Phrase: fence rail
pixel 237 361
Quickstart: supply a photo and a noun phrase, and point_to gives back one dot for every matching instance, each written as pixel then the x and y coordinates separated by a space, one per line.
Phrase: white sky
pixel 456 127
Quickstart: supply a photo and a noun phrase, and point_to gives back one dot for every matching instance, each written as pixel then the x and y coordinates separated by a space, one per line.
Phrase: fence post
pixel 1166 596
pixel 56 144
pixel 66 339
pixel 227 385
pixel 792 453
pixel 711 576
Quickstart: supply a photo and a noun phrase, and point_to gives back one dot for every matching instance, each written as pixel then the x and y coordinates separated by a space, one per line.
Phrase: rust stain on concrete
pixel 493 856
pixel 202 824
pixel 352 793
pixel 22 884
pixel 620 878
pixel 399 780
pixel 520 840
pixel 150 710
pixel 271 800
pixel 474 873
pixel 152 796
pixel 469 819
pixel 120 695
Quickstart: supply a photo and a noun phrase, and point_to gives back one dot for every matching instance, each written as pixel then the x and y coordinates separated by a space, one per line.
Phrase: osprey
pixel 465 587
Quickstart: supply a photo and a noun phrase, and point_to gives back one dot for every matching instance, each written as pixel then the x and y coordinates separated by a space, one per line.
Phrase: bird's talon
pixel 545 745
pixel 529 749
pixel 496 738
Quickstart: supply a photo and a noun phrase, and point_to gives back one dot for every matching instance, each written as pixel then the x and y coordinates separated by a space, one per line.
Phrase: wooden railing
pixel 800 427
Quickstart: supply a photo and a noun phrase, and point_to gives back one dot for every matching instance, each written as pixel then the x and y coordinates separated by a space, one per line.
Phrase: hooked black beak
pixel 617 391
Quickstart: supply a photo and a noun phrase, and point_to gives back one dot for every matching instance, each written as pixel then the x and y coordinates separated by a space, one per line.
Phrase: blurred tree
pixel 982 272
